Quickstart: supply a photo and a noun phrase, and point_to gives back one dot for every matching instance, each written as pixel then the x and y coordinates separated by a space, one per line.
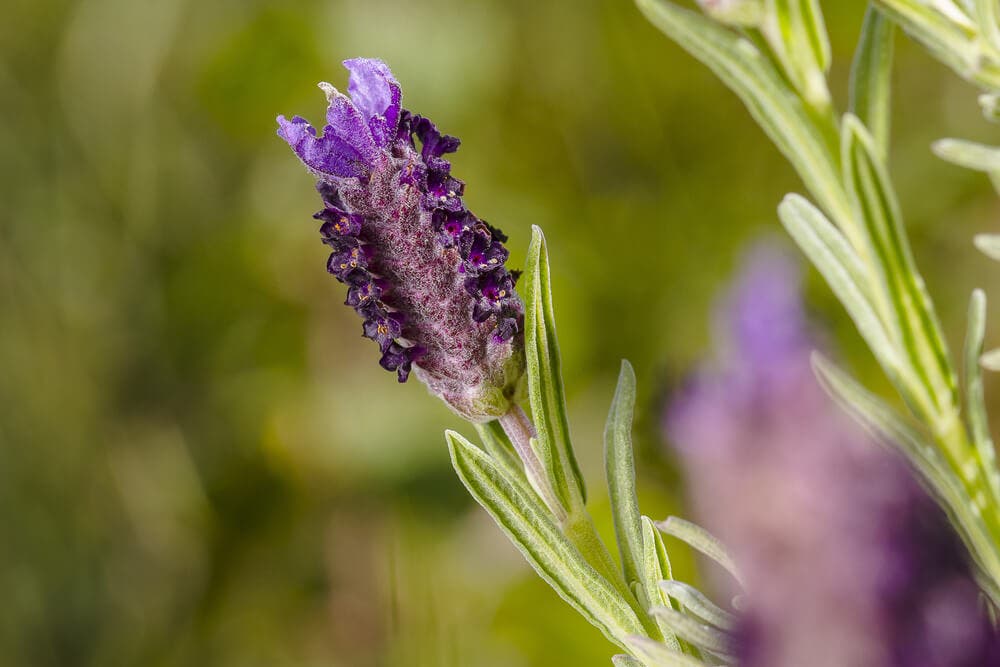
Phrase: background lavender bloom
pixel 427 275
pixel 847 561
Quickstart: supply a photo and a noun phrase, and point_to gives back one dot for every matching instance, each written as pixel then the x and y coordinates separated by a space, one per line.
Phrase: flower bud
pixel 427 276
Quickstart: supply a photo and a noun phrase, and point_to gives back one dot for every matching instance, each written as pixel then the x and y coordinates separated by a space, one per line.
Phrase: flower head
pixel 426 275
pixel 847 561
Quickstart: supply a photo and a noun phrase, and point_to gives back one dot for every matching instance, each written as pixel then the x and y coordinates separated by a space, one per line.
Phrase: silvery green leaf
pixel 775 107
pixel 704 637
pixel 741 13
pixel 987 13
pixel 933 392
pixel 870 78
pixel 702 541
pixel 625 661
pixel 952 12
pixel 819 41
pixel 991 360
pixel 948 35
pixel 663 570
pixel 545 385
pixel 990 105
pixel 654 654
pixel 887 426
pixel 655 568
pixel 796 35
pixel 988 244
pixel 971 155
pixel 530 526
pixel 846 275
pixel 968 154
pixel 698 604
pixel 620 469
pixel 978 421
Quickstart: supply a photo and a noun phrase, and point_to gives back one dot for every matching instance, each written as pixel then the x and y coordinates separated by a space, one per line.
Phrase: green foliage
pixel 558 537
pixel 621 476
pixel 862 249
pixel 545 384
pixel 530 526
pixel 870 79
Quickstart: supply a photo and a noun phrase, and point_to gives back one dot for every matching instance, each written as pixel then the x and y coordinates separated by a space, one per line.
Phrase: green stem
pixel 580 529
pixel 518 427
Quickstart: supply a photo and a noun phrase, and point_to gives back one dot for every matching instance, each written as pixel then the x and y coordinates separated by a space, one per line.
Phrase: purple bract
pixel 427 276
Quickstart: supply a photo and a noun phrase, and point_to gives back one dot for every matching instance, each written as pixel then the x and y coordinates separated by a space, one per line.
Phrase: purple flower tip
pixel 427 276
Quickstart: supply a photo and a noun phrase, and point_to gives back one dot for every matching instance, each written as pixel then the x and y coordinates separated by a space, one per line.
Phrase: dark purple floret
pixel 427 276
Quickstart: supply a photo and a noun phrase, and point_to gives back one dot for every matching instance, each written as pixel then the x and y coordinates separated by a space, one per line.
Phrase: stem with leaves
pixel 855 237
pixel 525 475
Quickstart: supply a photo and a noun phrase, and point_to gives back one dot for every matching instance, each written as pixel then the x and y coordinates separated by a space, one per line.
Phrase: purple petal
pixel 347 123
pixel 328 155
pixel 377 94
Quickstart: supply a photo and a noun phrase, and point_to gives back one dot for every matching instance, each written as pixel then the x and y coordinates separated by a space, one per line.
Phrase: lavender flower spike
pixel 425 274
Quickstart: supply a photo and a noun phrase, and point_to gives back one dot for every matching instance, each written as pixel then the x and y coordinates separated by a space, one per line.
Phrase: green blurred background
pixel 201 462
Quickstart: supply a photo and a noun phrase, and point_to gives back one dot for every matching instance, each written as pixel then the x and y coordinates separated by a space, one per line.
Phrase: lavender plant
pixel 429 280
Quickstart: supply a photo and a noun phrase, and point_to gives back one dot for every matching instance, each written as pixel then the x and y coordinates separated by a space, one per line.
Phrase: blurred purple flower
pixel 847 561
pixel 427 275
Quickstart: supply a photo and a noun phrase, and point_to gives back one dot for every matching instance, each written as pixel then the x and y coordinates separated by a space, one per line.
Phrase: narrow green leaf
pixel 890 428
pixel 812 19
pixel 968 154
pixel 664 571
pixel 951 42
pixel 988 244
pixel 837 262
pixel 953 13
pixel 702 541
pixel 775 107
pixel 698 604
pixel 625 661
pixel 935 391
pixel 797 39
pixel 655 654
pixel 655 568
pixel 545 384
pixel 988 21
pixel 978 421
pixel 871 78
pixel 705 637
pixel 529 525
pixel 620 468
pixel 989 103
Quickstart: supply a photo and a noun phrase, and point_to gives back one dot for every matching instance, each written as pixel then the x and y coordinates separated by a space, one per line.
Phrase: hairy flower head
pixel 426 275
